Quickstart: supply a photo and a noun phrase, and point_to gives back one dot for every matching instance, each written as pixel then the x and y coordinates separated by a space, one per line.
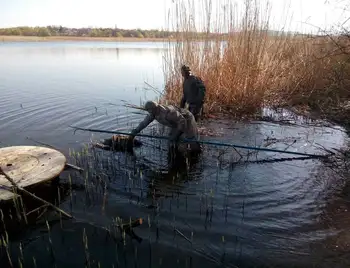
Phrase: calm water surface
pixel 247 214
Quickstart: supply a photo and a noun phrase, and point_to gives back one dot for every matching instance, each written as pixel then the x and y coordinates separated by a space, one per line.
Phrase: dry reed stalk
pixel 257 67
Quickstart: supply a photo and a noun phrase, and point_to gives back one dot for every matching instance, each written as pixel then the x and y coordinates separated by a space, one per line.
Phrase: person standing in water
pixel 182 125
pixel 193 92
pixel 180 121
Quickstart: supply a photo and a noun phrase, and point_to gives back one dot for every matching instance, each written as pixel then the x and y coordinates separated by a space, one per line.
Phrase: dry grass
pixel 256 68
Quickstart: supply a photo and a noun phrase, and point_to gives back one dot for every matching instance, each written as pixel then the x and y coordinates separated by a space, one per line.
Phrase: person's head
pixel 185 71
pixel 151 107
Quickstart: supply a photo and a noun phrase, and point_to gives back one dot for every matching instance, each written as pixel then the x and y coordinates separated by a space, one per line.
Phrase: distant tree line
pixel 107 32
pixel 93 32
pixel 84 32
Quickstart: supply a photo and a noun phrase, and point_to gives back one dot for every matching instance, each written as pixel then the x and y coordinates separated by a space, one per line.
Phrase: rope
pixel 200 141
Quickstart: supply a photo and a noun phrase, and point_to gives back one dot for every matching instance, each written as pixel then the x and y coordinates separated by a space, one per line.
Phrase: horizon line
pixel 150 29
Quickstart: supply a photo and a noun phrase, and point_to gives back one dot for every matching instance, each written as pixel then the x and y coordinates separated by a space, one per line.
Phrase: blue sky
pixel 149 14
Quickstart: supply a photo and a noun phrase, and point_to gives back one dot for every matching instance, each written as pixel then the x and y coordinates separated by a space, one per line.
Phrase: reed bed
pixel 246 66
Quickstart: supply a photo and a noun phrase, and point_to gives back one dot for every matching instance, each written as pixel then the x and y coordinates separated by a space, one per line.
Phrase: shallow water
pixel 233 209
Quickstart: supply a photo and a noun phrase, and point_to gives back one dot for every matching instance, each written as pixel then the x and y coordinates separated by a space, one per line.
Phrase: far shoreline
pixel 19 38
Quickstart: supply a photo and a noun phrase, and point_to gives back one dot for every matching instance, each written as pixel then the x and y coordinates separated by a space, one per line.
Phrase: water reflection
pixel 62 54
pixel 46 88
pixel 171 179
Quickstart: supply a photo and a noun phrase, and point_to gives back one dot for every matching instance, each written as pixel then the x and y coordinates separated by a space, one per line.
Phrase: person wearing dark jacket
pixel 193 92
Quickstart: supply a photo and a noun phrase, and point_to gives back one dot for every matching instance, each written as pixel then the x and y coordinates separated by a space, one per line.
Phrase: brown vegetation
pixel 260 69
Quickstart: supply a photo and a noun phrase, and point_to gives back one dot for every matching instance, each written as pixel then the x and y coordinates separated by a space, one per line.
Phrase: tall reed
pixel 245 65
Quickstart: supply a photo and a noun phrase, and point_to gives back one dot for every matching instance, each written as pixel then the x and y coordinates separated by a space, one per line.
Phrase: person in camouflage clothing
pixel 181 123
pixel 193 92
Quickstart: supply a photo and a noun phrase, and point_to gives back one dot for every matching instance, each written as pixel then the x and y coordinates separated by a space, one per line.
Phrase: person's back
pixel 190 89
pixel 180 121
pixel 193 92
pixel 177 118
pixel 168 115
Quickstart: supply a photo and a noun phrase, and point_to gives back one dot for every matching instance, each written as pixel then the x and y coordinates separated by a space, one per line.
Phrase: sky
pixel 300 15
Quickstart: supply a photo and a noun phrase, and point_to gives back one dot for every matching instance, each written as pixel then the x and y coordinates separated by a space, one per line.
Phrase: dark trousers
pixel 178 160
pixel 196 110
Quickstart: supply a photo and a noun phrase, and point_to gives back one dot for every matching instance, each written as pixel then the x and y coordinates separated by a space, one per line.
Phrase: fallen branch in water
pixel 134 106
pixel 182 235
pixel 154 89
pixel 128 229
pixel 67 166
pixel 41 143
pixel 71 166
pixel 37 209
pixel 20 189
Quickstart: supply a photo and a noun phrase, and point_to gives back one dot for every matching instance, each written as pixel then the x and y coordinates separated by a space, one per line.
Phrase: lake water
pixel 242 214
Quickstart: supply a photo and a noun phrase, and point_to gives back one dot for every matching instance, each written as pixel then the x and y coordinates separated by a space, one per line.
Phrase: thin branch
pixel 18 188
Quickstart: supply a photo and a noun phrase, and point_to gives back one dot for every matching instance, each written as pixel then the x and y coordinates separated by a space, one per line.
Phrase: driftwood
pixel 71 166
pixel 128 228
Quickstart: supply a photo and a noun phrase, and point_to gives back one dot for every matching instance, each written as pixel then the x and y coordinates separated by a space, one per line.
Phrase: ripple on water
pixel 269 208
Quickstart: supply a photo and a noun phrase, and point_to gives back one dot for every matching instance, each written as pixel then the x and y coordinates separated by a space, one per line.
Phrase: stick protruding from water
pixel 14 184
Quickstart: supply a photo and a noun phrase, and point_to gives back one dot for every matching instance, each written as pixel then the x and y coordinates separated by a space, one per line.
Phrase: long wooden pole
pixel 203 142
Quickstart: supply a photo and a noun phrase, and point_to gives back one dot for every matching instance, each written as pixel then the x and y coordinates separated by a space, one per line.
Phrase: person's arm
pixel 145 122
